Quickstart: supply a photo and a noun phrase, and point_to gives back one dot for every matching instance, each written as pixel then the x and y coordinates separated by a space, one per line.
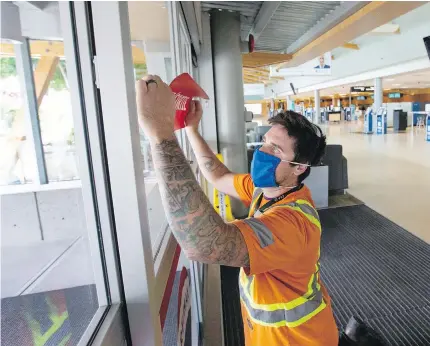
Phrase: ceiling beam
pixel 260 59
pixel 43 74
pixel 260 75
pixel 364 20
pixel 56 49
pixel 350 45
pixel 259 69
pixel 267 10
pixel 339 14
pixel 254 79
pixel 256 73
pixel 38 5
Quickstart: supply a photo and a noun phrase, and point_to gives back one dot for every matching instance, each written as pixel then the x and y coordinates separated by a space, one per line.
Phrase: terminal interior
pixel 87 255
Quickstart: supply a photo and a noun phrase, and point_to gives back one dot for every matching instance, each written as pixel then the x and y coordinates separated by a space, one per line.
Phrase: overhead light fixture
pixel 396 84
pixel 390 79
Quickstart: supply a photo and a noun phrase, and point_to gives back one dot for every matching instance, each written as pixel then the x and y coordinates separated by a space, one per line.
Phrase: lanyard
pixel 274 200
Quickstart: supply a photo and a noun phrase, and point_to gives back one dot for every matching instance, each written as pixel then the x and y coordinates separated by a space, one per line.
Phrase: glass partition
pixel 54 111
pixel 151 52
pixel 16 160
pixel 53 282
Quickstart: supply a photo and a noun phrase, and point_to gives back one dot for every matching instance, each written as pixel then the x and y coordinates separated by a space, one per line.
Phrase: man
pixel 277 247
pixel 322 63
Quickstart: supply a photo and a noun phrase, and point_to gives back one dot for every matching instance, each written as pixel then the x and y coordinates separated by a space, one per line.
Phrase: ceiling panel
pixel 291 20
pixel 245 8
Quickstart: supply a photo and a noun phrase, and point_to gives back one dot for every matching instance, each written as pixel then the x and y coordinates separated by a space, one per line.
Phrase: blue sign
pixel 428 128
pixel 368 121
pixel 394 95
pixel 381 122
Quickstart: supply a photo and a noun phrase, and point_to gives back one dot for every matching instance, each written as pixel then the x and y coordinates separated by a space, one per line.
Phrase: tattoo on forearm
pixel 200 231
pixel 212 165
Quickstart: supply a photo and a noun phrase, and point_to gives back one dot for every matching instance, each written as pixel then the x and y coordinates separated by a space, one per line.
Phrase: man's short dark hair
pixel 310 142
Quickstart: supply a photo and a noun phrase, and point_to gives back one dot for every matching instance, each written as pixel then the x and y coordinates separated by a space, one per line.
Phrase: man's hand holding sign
pixel 199 230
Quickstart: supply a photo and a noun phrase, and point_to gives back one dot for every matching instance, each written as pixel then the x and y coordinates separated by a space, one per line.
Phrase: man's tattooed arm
pixel 213 169
pixel 201 232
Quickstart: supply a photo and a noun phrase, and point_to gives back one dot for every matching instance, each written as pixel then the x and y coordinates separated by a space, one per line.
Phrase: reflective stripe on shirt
pixel 263 233
pixel 296 311
pixel 291 314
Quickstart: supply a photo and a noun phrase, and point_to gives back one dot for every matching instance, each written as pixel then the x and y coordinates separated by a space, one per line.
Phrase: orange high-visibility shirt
pixel 282 297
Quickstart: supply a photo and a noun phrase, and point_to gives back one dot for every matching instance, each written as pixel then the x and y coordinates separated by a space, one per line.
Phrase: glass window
pixel 55 115
pixel 52 281
pixel 16 161
pixel 150 35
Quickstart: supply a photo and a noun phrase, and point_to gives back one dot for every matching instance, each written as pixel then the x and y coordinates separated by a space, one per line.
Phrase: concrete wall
pixel 49 215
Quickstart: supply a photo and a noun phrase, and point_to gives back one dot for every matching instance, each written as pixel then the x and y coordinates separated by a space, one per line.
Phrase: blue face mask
pixel 263 169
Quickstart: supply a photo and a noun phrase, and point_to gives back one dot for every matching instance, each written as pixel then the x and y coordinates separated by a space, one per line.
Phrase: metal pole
pixel 317 106
pixel 229 98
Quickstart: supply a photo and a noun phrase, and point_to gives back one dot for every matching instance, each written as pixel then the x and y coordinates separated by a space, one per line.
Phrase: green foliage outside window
pixel 8 69
pixel 140 70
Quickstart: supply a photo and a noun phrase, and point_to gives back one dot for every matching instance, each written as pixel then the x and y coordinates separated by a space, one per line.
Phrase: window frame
pixel 127 182
pixel 93 174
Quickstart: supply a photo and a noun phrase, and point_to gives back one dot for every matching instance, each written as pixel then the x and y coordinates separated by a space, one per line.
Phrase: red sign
pixel 185 88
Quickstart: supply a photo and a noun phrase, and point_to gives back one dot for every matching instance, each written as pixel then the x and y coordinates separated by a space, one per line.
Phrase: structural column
pixel 29 93
pixel 229 96
pixel 377 98
pixel 317 117
pixel 288 100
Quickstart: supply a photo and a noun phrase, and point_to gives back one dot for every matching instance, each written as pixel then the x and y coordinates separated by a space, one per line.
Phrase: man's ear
pixel 299 169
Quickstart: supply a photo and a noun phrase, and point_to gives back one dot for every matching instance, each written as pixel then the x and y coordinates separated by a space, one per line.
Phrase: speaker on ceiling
pixel 427 44
pixel 292 88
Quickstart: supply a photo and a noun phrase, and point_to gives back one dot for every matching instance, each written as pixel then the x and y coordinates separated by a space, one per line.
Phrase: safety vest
pixel 285 313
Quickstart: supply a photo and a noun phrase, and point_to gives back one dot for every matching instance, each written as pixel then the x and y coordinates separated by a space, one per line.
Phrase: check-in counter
pixel 334 116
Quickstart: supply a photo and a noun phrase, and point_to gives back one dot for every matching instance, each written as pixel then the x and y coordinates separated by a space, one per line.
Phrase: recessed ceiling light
pixel 389 79
pixel 396 84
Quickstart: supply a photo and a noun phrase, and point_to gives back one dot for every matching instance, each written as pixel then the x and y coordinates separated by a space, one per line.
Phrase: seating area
pixel 338 169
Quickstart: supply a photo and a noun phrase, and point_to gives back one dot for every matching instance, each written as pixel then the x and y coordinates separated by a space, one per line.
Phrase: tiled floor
pixel 390 173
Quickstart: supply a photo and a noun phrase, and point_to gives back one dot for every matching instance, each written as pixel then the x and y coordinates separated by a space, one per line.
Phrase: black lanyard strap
pixel 274 200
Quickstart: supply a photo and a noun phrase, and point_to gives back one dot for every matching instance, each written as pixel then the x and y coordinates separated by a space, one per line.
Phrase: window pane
pixel 55 115
pixel 52 281
pixel 15 159
pixel 150 35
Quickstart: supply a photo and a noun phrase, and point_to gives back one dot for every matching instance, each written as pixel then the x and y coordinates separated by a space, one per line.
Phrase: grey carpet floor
pixel 378 271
